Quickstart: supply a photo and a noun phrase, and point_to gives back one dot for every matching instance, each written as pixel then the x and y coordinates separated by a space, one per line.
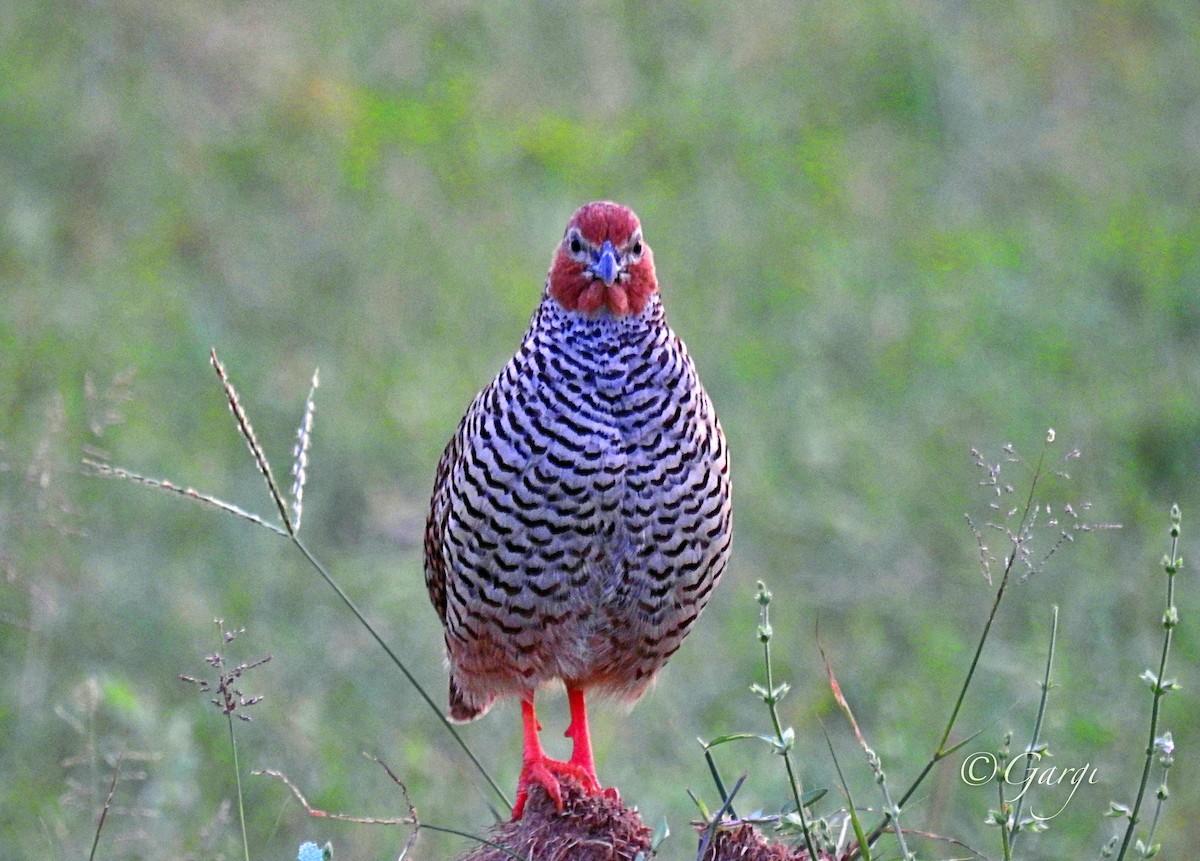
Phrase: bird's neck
pixel 602 321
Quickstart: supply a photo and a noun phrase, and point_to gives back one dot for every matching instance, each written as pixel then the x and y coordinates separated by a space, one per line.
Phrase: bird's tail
pixel 464 707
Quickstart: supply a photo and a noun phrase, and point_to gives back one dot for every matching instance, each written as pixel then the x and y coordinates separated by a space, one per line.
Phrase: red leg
pixel 534 762
pixel 581 754
pixel 538 768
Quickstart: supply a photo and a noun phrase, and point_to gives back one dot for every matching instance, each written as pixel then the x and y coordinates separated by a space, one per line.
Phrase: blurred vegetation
pixel 888 233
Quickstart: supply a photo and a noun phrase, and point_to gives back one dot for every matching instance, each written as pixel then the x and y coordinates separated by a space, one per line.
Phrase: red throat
pixel 578 293
pixel 577 289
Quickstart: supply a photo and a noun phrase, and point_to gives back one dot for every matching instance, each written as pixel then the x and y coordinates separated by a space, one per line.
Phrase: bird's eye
pixel 575 243
pixel 635 247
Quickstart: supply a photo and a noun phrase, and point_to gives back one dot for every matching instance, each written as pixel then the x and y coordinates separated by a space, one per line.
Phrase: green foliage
pixel 888 233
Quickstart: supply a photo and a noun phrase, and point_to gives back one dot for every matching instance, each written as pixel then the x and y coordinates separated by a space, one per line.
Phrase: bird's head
pixel 602 263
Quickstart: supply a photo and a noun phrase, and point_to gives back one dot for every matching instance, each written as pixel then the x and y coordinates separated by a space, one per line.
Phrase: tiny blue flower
pixel 310 852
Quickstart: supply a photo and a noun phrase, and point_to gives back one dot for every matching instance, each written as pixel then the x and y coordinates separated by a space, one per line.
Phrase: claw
pixel 546 773
pixel 537 768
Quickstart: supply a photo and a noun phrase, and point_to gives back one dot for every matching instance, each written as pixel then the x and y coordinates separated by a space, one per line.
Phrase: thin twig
pixel 941 838
pixel 103 470
pixel 300 453
pixel 716 776
pixel 353 608
pixel 715 822
pixel 247 432
pixel 237 773
pixel 876 765
pixel 859 836
pixel 112 790
pixel 771 696
pixel 1034 743
pixel 1161 686
pixel 410 819
pixel 412 809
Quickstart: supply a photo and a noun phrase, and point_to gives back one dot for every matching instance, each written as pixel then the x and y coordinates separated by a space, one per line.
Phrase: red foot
pixel 538 768
pixel 546 772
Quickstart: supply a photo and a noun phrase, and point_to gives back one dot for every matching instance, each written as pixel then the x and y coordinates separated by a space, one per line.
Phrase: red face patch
pixel 576 278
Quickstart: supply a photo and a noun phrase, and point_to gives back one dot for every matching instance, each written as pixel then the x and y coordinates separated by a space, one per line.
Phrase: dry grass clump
pixel 600 828
pixel 743 842
pixel 589 828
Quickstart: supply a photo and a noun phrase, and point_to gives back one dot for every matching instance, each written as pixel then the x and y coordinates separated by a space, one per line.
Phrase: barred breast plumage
pixel 581 513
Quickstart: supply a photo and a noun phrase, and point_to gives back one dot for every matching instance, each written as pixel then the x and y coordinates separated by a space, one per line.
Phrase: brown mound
pixel 600 828
pixel 743 843
pixel 589 828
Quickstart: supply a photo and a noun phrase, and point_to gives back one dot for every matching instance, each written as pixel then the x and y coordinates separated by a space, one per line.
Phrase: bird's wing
pixel 435 524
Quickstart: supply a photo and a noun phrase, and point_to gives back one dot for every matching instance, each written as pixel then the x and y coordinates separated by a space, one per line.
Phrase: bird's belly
pixel 596 585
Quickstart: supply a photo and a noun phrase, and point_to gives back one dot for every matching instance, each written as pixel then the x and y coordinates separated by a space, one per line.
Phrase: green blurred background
pixel 888 233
